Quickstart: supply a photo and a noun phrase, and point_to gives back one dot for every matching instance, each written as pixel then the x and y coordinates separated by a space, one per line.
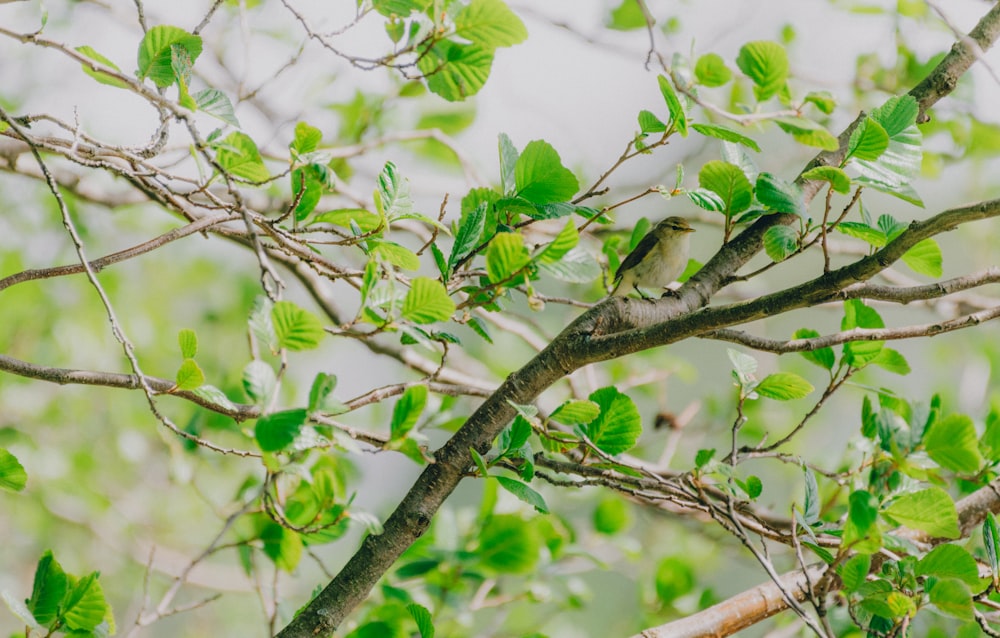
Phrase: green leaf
pixel 991 541
pixel 155 53
pixel 868 141
pixel 306 180
pixel 897 114
pixel 505 256
pixel 677 116
pixel 577 266
pixel 702 457
pixel 295 327
pixel 393 192
pixel 427 301
pixel 854 571
pixel 217 104
pixel 321 397
pixel 618 426
pixel 823 357
pixel 490 24
pixel 925 258
pixel 508 544
pixel 85 606
pixel 49 589
pixel 873 236
pixel 455 71
pixel 13 477
pixel 508 162
pixel 704 198
pixel 398 256
pixel 953 598
pixel 675 577
pixel 540 177
pixel 779 195
pixel 725 134
pixel 989 444
pixel 807 132
pixel 766 64
pixel 627 16
pixel 188 341
pixel 281 545
pixel 277 431
pixel 743 364
pixel 407 411
pixel 307 138
pixel 753 487
pixel 367 221
pixel 822 100
pixel 858 315
pixel 838 179
pixel 860 532
pixel 648 122
pixel 729 183
pixel 214 395
pixel 783 386
pixel 259 382
pixel 892 361
pixel 576 412
pixel 952 443
pixel 811 502
pixel 949 561
pixel 523 492
pixel 930 510
pixel 425 624
pixel 611 516
pixel 566 240
pixel 101 77
pixel 237 154
pixel 189 375
pixel 780 242
pixel 468 235
pixel 711 70
pixel 399 8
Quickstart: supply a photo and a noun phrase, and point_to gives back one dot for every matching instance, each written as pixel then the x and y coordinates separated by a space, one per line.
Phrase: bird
pixel 657 260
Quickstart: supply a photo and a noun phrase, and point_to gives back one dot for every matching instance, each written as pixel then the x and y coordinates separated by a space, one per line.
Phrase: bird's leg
pixel 642 294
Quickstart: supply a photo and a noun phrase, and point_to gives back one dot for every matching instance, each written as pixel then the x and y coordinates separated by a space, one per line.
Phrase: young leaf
pixel 49 589
pixel 275 432
pixel 188 341
pixel 154 53
pixel 649 123
pixel 892 361
pixel 217 104
pixel 677 116
pixel 427 301
pixel 508 160
pixel 307 138
pixel 725 134
pixel 873 236
pixel 398 256
pixel 811 503
pixel 455 71
pixel 259 381
pixel 540 177
pixel 489 24
pixel 237 154
pixel 393 192
pixel 839 181
pixel 367 221
pixel 505 256
pixel 991 541
pixel 407 411
pixel 930 510
pixel 468 236
pixel 566 240
pixel 616 429
pixel 189 375
pixel 766 64
pixel 858 315
pixel 574 412
pixel 823 357
pixel 860 532
pixel 523 492
pixel 296 328
pixel 953 598
pixel 925 258
pixel 12 474
pixel 321 397
pixel 780 242
pixel 743 364
pixel 783 386
pixel 807 132
pixel 729 183
pixel 868 141
pixel 101 77
pixel 711 70
pixel 952 443
pixel 85 606
pixel 854 571
pixel 611 516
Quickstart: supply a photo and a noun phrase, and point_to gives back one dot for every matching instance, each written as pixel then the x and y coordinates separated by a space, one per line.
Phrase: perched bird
pixel 658 259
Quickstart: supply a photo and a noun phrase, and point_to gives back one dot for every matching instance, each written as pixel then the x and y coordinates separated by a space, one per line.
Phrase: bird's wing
pixel 642 249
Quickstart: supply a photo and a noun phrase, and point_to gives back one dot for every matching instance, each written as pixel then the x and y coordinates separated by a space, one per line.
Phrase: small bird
pixel 658 259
